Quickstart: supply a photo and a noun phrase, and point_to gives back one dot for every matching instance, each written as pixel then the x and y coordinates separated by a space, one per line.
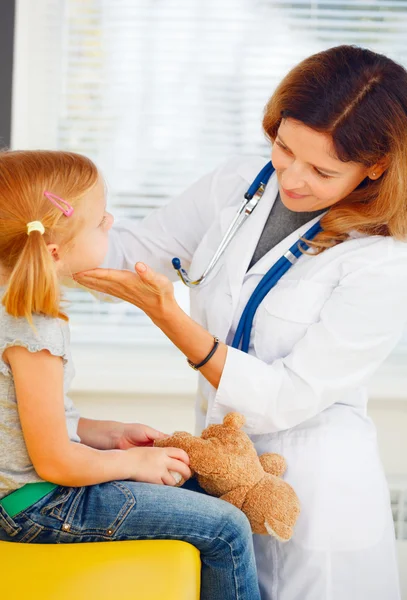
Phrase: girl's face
pixel 89 247
pixel 310 176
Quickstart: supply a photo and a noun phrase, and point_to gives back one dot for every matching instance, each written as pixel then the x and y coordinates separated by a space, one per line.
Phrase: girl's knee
pixel 236 520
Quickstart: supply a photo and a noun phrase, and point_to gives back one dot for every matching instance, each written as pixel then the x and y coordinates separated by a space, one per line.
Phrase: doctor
pixel 338 128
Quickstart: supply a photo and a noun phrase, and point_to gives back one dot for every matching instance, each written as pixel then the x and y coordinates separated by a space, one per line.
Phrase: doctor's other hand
pixel 148 290
pixel 165 466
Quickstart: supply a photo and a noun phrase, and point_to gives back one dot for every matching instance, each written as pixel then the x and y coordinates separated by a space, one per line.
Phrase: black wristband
pixel 205 360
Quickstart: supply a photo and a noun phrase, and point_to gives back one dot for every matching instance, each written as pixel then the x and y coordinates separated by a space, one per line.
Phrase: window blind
pixel 157 92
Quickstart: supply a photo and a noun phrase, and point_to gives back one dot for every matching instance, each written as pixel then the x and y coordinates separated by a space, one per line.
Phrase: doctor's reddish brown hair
pixel 359 98
pixel 33 286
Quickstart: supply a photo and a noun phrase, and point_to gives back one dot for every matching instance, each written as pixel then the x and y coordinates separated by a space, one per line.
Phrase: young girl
pixel 64 478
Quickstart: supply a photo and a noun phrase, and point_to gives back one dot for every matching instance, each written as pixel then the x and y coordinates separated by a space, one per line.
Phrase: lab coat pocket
pixel 285 315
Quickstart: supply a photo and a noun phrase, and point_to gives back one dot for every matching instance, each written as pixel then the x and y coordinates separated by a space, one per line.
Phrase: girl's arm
pixel 113 435
pixel 38 379
pixel 102 435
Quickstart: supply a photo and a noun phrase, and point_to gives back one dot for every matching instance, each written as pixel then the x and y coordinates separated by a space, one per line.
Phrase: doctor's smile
pixel 297 265
pixel 293 194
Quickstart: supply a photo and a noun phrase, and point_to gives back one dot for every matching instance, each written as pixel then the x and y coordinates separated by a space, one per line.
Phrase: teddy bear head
pixel 226 464
pixel 230 436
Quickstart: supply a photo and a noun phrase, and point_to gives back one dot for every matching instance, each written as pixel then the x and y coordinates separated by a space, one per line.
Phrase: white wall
pixel 167 413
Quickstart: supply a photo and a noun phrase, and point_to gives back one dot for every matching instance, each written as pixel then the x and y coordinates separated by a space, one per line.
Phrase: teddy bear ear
pixel 234 420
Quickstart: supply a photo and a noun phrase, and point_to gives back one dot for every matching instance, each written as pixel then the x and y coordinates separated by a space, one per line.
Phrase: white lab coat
pixel 317 338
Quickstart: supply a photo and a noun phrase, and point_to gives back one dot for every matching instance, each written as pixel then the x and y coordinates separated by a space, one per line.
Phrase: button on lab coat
pixel 317 338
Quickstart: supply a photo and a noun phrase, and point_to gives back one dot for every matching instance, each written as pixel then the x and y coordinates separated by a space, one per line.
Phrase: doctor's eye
pixel 280 145
pixel 322 174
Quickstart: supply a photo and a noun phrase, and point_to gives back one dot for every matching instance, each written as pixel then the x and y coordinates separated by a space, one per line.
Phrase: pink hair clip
pixel 68 211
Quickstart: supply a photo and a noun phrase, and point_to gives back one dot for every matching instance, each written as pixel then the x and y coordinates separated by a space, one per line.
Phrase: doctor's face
pixel 310 177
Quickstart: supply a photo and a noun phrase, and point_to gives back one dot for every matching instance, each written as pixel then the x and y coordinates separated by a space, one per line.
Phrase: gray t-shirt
pixel 280 223
pixel 16 468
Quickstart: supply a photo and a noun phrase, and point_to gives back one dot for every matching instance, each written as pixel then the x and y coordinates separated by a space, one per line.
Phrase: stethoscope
pixel 270 279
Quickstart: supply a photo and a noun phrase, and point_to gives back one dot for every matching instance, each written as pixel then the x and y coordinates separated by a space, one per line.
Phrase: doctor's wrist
pixel 165 310
pixel 193 340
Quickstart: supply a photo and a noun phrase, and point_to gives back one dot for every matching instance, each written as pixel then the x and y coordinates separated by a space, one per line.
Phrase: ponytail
pixel 33 286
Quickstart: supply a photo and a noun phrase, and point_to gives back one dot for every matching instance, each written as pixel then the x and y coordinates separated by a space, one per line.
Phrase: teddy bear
pixel 226 465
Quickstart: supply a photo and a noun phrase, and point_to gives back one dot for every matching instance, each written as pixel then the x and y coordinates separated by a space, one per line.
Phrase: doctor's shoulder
pixel 232 178
pixel 378 247
pixel 245 166
pixel 380 255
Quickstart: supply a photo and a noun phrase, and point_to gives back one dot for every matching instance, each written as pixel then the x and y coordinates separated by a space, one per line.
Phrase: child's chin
pixel 90 265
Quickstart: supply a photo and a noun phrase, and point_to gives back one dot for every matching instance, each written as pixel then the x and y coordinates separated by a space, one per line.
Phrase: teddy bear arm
pixel 179 439
pixel 205 458
pixel 273 463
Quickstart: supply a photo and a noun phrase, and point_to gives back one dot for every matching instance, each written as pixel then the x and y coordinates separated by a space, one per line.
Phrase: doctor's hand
pixel 152 292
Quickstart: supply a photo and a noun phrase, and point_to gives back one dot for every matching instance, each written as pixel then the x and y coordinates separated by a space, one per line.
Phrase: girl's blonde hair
pixel 359 98
pixel 33 285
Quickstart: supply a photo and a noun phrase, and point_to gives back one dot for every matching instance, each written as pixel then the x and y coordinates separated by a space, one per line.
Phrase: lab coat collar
pixel 248 169
pixel 267 260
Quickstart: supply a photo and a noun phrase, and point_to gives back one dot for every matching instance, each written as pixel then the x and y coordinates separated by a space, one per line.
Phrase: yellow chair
pixel 133 570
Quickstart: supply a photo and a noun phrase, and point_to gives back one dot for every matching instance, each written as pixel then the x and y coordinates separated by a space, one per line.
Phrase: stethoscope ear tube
pixel 261 179
pixel 268 281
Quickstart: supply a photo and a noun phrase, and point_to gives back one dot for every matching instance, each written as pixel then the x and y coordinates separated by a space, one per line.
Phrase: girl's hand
pixel 146 289
pixel 135 434
pixel 156 465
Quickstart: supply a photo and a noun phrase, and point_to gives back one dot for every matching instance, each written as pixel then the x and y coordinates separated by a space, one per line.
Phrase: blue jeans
pixel 126 510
